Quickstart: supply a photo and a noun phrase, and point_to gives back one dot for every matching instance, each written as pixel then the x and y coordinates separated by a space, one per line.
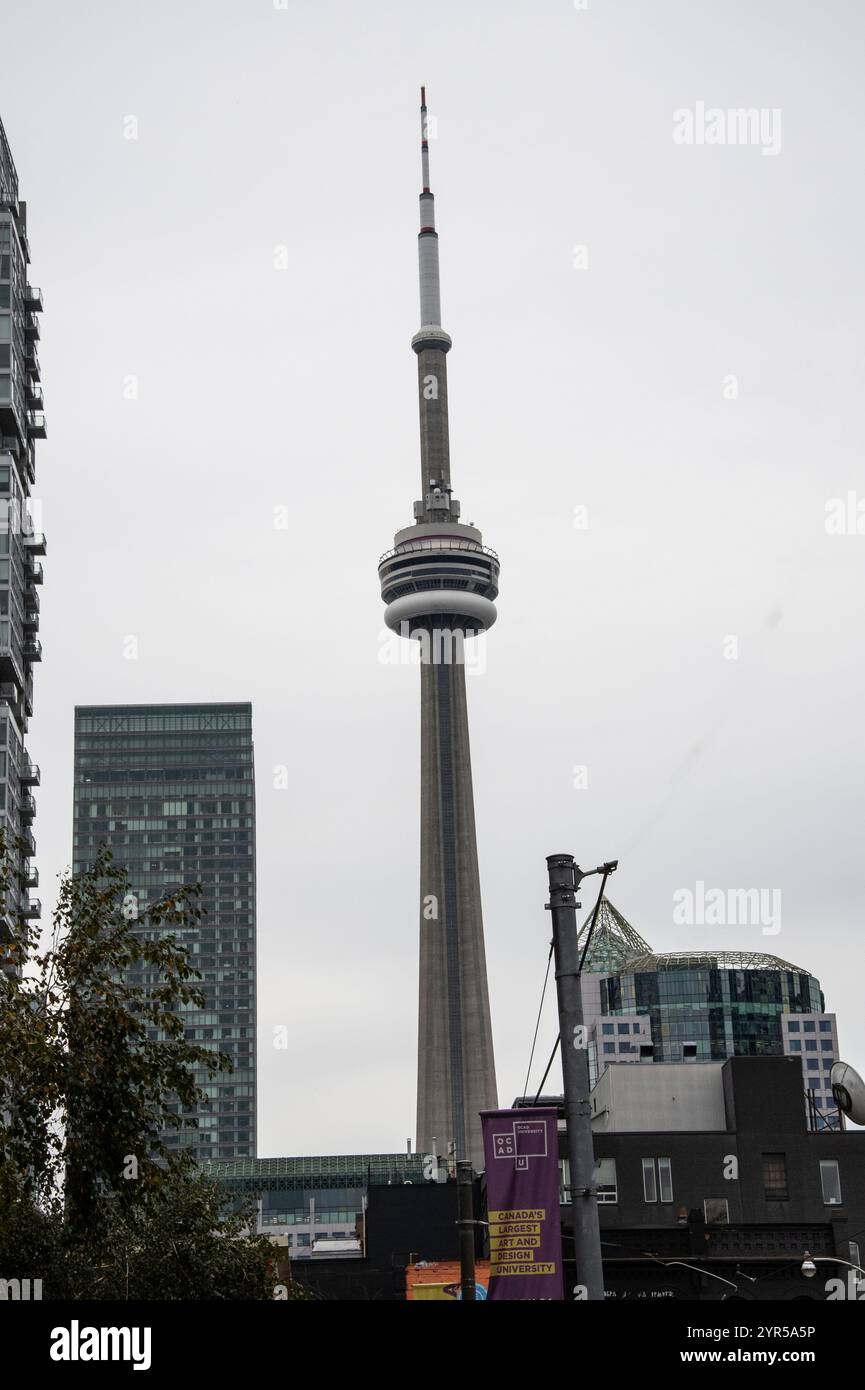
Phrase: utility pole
pixel 466 1224
pixel 565 878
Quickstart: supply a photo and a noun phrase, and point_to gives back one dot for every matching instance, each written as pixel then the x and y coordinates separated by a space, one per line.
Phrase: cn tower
pixel 438 583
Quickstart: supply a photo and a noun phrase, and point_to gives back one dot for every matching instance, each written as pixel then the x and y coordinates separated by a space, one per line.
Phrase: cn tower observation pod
pixel 439 576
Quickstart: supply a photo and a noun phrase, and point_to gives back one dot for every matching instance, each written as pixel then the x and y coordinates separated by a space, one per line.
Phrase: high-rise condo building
pixel 21 424
pixel 438 583
pixel 171 790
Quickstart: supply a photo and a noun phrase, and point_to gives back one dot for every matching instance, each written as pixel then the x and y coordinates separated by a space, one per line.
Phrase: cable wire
pixel 538 1023
pixel 549 1064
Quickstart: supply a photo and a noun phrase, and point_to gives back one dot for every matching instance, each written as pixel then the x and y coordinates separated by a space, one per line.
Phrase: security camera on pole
pixel 565 878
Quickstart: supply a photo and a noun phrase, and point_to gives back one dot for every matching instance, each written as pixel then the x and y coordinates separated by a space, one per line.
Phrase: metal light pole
pixel 565 878
pixel 466 1225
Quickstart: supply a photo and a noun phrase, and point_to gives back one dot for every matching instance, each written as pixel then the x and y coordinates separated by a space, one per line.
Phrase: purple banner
pixel 521 1148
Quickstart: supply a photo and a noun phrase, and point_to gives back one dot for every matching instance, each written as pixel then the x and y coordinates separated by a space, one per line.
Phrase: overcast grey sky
pixel 605 387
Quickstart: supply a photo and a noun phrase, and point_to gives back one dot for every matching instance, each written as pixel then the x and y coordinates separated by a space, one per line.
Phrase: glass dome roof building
pixel 710 1005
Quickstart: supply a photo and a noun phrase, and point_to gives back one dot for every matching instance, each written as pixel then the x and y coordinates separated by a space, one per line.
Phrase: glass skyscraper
pixel 171 789
pixel 21 424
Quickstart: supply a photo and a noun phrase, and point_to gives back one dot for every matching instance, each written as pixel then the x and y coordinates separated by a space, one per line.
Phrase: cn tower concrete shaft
pixel 438 584
pixel 456 1069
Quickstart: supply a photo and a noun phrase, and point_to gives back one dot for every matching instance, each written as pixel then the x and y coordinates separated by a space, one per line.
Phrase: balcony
pixel 33 650
pixel 34 396
pixel 34 542
pixel 34 573
pixel 9 672
pixel 17 694
pixel 31 357
pixel 31 327
pixel 31 622
pixel 31 877
pixel 32 909
pixel 30 775
pixel 31 601
pixel 28 808
pixel 33 299
pixel 36 425
pixel 28 844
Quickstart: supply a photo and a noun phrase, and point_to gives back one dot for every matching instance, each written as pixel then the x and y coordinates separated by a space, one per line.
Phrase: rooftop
pixel 709 960
pixel 253 1175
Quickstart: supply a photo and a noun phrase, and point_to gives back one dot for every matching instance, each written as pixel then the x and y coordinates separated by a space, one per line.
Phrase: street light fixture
pixel 810 1263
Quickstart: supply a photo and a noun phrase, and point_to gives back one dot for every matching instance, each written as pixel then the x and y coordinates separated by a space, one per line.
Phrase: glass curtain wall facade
pixel 171 790
pixel 21 424
pixel 719 1012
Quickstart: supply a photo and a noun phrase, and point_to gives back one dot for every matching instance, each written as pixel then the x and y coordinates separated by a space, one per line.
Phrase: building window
pixel 825 1025
pixel 624 1028
pixel 795 1045
pixel 716 1211
pixel 808 1025
pixel 565 1181
pixel 830 1181
pixel 810 1046
pixel 826 1045
pixel 775 1178
pixel 607 1028
pixel 609 1047
pixel 650 1182
pixel 665 1179
pixel 793 1027
pixel 605 1180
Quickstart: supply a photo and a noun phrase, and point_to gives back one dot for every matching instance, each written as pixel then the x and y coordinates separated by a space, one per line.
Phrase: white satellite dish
pixel 848 1090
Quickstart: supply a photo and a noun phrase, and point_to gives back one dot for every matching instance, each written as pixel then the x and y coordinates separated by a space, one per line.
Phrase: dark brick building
pixel 743 1202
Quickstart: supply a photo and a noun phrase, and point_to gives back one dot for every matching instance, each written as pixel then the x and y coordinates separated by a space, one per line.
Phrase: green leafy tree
pixel 181 1243
pixel 94 1066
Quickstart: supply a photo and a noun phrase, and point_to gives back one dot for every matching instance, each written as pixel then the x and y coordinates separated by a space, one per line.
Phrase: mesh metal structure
pixel 710 960
pixel 614 941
